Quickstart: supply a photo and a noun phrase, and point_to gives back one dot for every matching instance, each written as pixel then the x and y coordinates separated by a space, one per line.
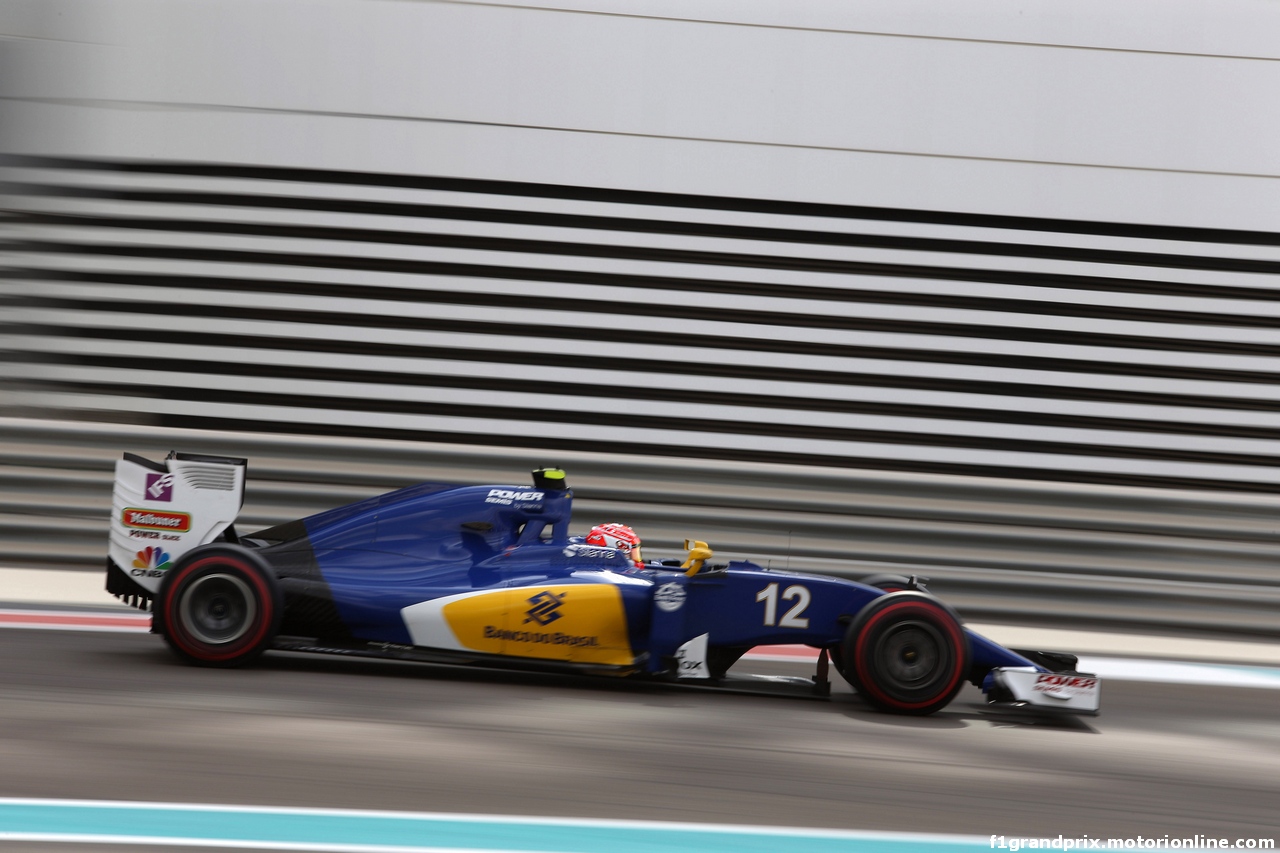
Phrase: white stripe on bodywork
pixel 427 625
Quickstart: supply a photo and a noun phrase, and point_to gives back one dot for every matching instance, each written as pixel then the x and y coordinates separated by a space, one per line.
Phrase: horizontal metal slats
pixel 1083 555
pixel 580 318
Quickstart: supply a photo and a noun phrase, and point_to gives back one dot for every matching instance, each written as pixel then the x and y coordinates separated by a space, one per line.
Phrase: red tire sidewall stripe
pixel 194 647
pixel 958 645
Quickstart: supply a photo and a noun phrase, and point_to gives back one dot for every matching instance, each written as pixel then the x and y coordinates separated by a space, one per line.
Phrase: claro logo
pixel 150 519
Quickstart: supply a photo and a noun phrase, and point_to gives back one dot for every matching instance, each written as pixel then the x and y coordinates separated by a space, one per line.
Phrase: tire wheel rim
pixel 217 609
pixel 911 657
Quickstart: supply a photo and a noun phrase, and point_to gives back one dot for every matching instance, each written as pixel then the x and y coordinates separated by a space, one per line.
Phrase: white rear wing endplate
pixel 162 510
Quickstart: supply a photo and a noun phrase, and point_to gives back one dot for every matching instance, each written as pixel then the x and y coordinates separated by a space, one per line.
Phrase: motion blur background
pixel 985 292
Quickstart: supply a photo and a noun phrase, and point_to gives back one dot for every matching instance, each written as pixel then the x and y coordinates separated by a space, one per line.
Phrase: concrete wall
pixel 1149 112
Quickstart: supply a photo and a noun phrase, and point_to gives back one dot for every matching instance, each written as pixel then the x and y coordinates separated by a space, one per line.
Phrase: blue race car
pixel 490 575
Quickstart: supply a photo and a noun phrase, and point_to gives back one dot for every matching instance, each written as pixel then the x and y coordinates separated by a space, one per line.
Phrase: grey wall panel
pixel 1139 112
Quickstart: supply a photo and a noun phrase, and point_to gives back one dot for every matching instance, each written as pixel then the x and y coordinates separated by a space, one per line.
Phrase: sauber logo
pixel 149 519
pixel 669 597
pixel 1046 681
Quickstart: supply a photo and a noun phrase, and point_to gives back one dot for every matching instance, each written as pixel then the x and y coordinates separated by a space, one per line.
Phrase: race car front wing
pixel 1029 687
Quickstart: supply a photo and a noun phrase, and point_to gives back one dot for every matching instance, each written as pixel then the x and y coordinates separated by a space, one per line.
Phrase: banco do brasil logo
pixel 545 609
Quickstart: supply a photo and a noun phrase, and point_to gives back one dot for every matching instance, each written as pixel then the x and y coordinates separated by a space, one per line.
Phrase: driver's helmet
pixel 617 536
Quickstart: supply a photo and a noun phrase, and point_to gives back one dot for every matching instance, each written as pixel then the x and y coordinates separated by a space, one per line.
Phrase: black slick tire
pixel 906 653
pixel 219 606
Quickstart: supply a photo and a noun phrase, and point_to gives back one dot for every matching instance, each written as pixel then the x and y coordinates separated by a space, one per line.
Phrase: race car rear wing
pixel 162 510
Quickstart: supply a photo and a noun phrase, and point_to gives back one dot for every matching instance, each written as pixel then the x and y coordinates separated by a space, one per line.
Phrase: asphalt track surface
pixel 114 716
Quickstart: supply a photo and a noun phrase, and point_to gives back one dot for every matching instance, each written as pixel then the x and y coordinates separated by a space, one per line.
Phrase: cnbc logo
pixel 152 558
pixel 545 608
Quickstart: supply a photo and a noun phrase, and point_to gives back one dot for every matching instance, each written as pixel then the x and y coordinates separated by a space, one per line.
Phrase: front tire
pixel 888 583
pixel 220 606
pixel 906 653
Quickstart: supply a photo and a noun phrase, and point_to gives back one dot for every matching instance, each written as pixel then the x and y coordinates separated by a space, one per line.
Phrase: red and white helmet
pixel 617 536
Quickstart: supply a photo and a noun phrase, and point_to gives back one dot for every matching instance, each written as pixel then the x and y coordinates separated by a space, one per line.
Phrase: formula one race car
pixel 489 575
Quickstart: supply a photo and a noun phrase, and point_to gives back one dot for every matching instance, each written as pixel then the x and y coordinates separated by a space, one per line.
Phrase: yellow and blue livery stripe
pixel 575 623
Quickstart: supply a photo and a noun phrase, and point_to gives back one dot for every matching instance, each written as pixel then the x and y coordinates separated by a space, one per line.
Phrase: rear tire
pixel 220 606
pixel 906 653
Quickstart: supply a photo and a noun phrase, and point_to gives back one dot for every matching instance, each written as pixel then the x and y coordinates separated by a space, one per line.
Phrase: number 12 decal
pixel 792 618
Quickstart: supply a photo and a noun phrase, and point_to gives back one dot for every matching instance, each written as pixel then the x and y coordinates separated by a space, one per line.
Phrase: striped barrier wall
pixel 305 301
pixel 1000 549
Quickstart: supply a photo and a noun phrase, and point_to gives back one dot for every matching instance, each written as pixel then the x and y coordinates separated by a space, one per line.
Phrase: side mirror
pixel 699 553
